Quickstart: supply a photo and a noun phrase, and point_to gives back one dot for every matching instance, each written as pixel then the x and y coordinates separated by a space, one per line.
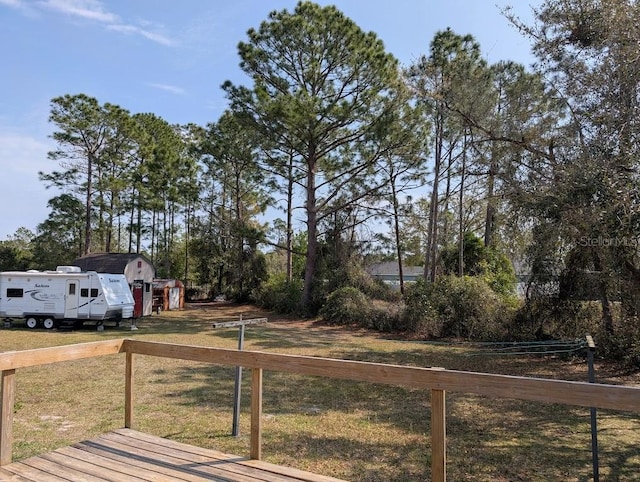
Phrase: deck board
pixel 128 455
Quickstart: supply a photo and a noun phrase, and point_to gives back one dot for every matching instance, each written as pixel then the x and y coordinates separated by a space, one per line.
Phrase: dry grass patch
pixel 352 430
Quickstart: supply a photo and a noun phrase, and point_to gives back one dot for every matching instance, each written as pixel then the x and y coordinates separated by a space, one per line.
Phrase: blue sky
pixel 170 57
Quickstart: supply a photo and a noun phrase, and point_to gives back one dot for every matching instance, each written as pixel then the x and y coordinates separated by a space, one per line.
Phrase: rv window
pixel 72 289
pixel 147 287
pixel 84 292
pixel 14 292
pixel 94 292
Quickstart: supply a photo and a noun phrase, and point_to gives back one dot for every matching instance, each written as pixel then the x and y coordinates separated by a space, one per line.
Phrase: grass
pixel 354 431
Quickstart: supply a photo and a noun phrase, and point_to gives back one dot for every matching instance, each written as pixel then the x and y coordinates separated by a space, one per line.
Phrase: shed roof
pixel 107 262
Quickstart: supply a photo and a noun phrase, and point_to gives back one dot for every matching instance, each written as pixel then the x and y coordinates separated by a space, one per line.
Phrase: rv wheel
pixel 48 323
pixel 32 322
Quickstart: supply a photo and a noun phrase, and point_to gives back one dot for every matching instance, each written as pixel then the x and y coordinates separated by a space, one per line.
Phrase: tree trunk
pixel 312 233
pixel 139 226
pixel 490 218
pixel 186 242
pixel 607 315
pixel 461 211
pixel 133 211
pixel 153 248
pixel 432 235
pixel 396 228
pixel 290 226
pixel 87 225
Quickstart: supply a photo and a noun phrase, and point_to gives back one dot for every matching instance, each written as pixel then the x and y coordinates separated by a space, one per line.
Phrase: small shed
pixel 138 270
pixel 168 294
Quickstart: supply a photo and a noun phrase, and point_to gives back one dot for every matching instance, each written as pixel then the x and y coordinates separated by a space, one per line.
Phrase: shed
pixel 168 294
pixel 138 270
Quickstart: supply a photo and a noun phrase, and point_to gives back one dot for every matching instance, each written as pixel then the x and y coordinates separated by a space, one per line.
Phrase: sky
pixel 170 58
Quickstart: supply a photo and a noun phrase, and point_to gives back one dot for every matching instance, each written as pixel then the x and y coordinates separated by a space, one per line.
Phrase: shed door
pixel 71 300
pixel 174 298
pixel 137 298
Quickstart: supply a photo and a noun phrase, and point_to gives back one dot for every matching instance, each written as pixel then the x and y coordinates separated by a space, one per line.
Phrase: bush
pixel 623 345
pixel 418 315
pixel 351 273
pixel 346 306
pixel 481 261
pixel 552 318
pixel 384 316
pixel 456 307
pixel 280 295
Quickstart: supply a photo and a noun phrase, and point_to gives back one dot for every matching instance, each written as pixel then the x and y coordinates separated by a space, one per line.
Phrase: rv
pixel 66 296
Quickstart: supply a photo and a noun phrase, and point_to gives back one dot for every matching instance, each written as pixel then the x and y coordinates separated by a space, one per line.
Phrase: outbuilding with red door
pixel 138 270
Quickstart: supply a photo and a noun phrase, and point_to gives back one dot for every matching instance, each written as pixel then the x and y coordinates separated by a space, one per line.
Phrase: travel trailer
pixel 66 296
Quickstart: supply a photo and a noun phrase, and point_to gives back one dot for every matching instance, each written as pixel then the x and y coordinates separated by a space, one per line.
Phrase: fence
pixel 437 380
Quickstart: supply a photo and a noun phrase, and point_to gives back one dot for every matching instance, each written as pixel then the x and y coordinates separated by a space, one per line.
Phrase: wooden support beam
pixel 128 392
pixel 8 386
pixel 256 413
pixel 12 360
pixel 438 436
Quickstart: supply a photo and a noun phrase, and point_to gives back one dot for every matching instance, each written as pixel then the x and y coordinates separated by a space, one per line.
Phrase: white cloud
pixel 92 10
pixel 169 88
pixel 87 9
pixel 132 29
pixel 20 5
pixel 12 3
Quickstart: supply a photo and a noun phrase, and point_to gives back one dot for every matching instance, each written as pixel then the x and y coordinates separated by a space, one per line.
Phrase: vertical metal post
pixel 591 348
pixel 235 430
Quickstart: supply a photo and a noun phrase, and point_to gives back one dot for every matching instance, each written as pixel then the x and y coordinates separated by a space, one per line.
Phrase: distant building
pixel 138 270
pixel 388 272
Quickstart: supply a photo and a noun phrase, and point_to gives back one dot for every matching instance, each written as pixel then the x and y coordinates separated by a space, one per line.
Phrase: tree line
pixel 428 164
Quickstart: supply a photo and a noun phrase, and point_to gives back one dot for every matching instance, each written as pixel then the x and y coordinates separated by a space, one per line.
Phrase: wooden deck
pixel 128 455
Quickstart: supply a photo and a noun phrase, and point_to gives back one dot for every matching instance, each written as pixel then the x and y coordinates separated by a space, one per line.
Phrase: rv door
pixel 71 300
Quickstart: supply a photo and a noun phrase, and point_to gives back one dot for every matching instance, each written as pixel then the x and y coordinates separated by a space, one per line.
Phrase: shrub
pixel 623 344
pixel 279 294
pixel 384 316
pixel 346 306
pixel 351 273
pixel 456 307
pixel 552 318
pixel 418 315
pixel 479 260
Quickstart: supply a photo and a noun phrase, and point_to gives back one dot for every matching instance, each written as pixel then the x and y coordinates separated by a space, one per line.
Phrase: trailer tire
pixel 31 322
pixel 48 323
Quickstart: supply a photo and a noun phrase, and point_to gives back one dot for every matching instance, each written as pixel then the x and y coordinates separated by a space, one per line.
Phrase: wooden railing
pixel 438 380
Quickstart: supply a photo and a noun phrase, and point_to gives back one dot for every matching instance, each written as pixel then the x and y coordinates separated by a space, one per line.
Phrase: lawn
pixel 354 431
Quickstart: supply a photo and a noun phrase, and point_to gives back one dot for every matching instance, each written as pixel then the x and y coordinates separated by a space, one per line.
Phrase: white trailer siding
pixel 62 295
pixel 117 295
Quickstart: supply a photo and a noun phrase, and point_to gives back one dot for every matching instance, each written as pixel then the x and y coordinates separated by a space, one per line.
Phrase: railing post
pixel 128 392
pixel 438 436
pixel 6 415
pixel 256 413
